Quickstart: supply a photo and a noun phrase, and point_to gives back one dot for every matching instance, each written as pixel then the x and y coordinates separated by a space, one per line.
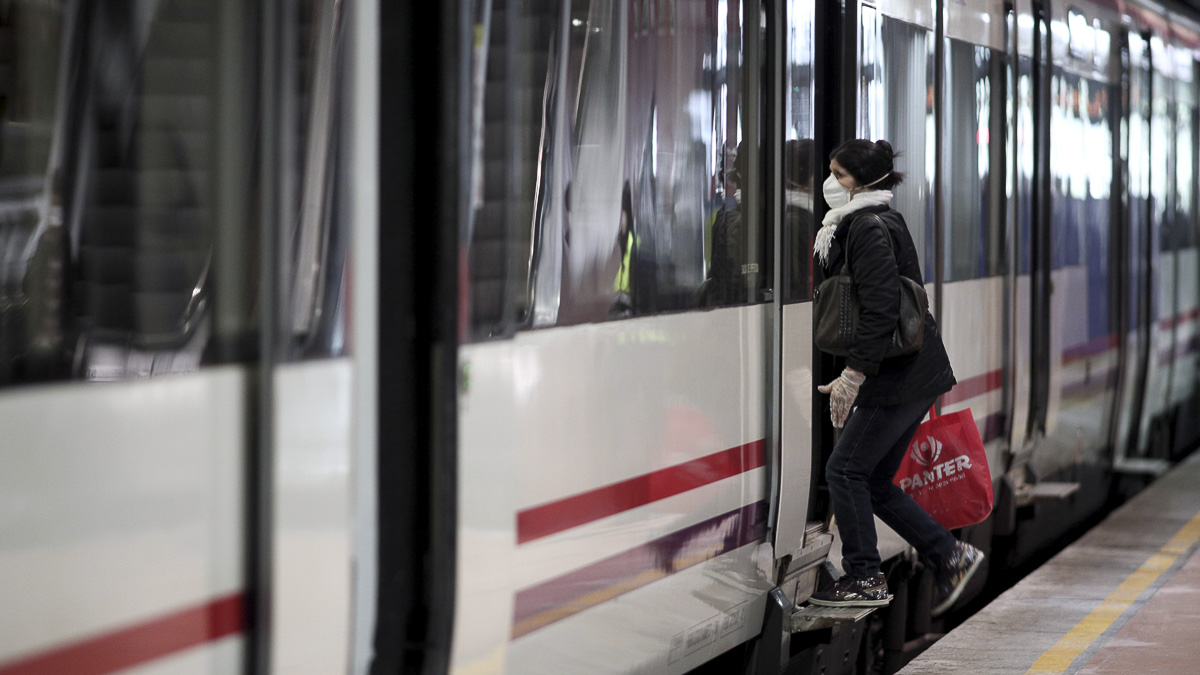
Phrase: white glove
pixel 842 393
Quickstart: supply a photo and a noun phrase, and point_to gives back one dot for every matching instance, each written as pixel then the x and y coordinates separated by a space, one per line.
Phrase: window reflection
pixel 974 243
pixel 1185 144
pixel 1025 163
pixel 1080 186
pixel 1136 142
pixel 896 104
pixel 130 194
pixel 799 162
pixel 32 331
pixel 1161 140
pixel 610 165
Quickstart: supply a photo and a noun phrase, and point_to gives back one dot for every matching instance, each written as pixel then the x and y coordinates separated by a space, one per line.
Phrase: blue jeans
pixel 859 474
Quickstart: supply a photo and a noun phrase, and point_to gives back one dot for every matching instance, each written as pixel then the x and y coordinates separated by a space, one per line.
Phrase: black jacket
pixel 873 266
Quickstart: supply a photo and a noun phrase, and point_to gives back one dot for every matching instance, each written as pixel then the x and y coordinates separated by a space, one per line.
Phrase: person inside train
pixel 723 283
pixel 798 218
pixel 626 243
pixel 878 403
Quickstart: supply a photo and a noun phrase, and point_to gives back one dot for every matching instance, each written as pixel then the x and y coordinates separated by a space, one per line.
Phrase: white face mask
pixel 836 194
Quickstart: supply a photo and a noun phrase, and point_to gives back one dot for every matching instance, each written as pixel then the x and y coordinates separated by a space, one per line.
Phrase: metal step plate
pixel 1046 490
pixel 1142 465
pixel 814 617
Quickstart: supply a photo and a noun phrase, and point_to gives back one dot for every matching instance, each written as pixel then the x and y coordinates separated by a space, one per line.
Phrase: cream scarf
pixel 799 199
pixel 833 217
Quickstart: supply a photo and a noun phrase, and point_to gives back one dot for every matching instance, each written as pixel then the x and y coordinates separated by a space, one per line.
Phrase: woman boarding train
pixel 887 396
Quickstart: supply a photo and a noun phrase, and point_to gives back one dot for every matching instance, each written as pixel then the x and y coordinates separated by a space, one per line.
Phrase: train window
pixel 1136 155
pixel 799 163
pixel 32 335
pixel 610 166
pixel 127 195
pixel 1024 117
pixel 1162 137
pixel 1082 39
pixel 896 103
pixel 1081 177
pixel 1185 165
pixel 974 235
pixel 1081 180
pixel 313 226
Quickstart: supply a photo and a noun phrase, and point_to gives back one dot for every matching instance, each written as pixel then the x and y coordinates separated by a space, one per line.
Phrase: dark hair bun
pixel 871 163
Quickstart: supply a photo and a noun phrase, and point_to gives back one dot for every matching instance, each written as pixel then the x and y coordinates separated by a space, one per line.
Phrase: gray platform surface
pixel 1143 556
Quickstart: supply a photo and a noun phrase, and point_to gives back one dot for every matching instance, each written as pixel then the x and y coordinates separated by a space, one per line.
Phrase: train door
pixel 312 362
pixel 1135 262
pixel 890 93
pixel 1081 349
pixel 1162 257
pixel 1181 221
pixel 1039 252
pixel 614 447
pixel 970 243
pixel 1027 29
pixel 799 170
pixel 1187 426
pixel 177 463
pixel 126 398
pixel 1064 298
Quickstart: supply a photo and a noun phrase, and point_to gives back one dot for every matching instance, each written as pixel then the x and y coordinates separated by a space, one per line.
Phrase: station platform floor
pixel 1124 598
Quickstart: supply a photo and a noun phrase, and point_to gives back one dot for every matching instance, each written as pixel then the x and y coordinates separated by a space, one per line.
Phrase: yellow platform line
pixel 1060 657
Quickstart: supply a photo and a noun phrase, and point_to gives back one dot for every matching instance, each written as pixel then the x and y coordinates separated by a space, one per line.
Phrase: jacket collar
pixel 843 227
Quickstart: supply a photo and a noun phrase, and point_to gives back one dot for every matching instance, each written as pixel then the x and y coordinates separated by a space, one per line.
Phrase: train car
pixel 178 390
pixel 327 347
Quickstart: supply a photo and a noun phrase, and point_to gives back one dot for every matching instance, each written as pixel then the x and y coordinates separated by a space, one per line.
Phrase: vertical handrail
pixel 312 239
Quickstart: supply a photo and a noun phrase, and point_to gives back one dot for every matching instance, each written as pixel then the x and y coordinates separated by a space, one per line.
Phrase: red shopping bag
pixel 946 471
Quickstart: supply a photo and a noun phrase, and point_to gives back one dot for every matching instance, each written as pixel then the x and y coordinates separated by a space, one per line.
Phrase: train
pixel 476 337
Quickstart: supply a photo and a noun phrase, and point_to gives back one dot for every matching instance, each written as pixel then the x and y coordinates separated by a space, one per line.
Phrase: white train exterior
pixel 321 352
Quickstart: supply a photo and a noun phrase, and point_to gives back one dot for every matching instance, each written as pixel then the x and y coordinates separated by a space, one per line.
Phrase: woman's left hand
pixel 842 393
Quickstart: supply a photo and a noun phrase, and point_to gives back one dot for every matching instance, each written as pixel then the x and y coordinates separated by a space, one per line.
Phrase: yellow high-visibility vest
pixel 621 284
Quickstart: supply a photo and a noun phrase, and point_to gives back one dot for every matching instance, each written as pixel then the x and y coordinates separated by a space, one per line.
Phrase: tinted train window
pixel 973 163
pixel 1081 164
pixel 1162 139
pixel 111 129
pixel 896 104
pixel 313 225
pixel 1024 157
pixel 1185 161
pixel 130 194
pixel 1080 173
pixel 609 164
pixel 33 330
pixel 1136 155
pixel 800 165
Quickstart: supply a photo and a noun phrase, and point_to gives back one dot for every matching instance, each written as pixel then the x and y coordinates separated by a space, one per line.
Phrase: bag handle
pixel 933 412
pixel 886 237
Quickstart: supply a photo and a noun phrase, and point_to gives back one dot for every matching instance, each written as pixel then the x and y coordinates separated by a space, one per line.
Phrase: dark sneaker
pixel 952 577
pixel 851 591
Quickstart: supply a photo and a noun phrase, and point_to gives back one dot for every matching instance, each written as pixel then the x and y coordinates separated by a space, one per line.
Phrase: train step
pixel 1141 465
pixel 813 617
pixel 1044 491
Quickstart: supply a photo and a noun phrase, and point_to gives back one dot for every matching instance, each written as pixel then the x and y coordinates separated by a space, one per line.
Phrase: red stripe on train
pixel 1181 318
pixel 571 593
pixel 1092 347
pixel 547 519
pixel 139 643
pixel 974 386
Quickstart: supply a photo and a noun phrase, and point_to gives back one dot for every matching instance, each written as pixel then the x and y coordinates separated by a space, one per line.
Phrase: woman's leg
pixel 895 507
pixel 869 437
